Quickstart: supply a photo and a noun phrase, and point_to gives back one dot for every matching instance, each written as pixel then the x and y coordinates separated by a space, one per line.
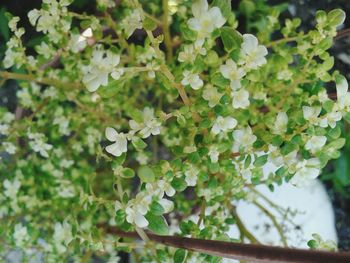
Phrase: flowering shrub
pixel 147 134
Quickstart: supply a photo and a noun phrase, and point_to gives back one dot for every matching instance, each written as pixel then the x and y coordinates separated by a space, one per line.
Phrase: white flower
pixel 38 144
pixel 11 188
pixel 77 43
pixel 243 138
pixel 132 22
pixel 213 154
pixel 330 119
pixel 191 175
pixel 306 171
pixel 223 124
pixel 190 52
pixel 20 235
pixel 253 54
pixel 4 129
pixel 281 122
pixel 315 143
pixel 9 147
pixel 240 99
pixel 166 187
pixel 150 124
pixel 343 96
pixel 192 79
pixel 205 20
pixel 135 212
pixel 211 94
pixel 166 204
pixel 120 143
pixel 234 74
pixel 102 64
pixel 62 234
pixel 311 114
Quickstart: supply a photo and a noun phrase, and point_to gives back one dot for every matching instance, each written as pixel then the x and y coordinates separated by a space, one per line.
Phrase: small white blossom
pixel 20 235
pixel 120 142
pixel 253 54
pixel 306 171
pixel 343 96
pixel 281 122
pixel 192 79
pixel 311 114
pixel 211 94
pixel 191 175
pixel 330 119
pixel 132 22
pixel 102 64
pixel 4 129
pixel 223 124
pixel 11 188
pixel 9 147
pixel 150 124
pixel 233 73
pixel 135 217
pixel 315 143
pixel 240 99
pixel 37 143
pixel 190 52
pixel 62 235
pixel 243 138
pixel 166 186
pixel 205 20
pixel 213 154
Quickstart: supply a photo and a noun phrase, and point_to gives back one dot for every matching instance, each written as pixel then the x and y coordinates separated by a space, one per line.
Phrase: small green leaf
pixel 149 24
pixel 180 255
pixel 230 38
pixel 157 224
pixel 336 17
pixel 146 174
pixel 120 217
pixel 127 173
pixel 218 80
pixel 138 143
pixel 261 160
pixel 179 184
pixel 156 209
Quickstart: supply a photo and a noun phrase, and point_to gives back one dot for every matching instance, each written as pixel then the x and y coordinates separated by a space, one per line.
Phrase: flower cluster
pixel 117 123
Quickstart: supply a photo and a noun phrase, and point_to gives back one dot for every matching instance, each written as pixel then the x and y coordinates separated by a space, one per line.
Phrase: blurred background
pixel 336 176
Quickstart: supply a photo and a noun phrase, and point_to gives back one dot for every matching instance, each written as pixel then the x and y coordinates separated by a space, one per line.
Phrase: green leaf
pixel 179 184
pixel 127 173
pixel 138 143
pixel 247 7
pixel 337 144
pixel 157 224
pixel 156 209
pixel 336 17
pixel 261 160
pixel 4 29
pixel 231 38
pixel 218 80
pixel 120 217
pixel 112 89
pixel 146 174
pixel 180 255
pixel 187 33
pixel 149 24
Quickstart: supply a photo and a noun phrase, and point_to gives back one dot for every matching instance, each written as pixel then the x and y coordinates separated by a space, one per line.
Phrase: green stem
pixel 166 31
pixel 274 221
pixel 244 231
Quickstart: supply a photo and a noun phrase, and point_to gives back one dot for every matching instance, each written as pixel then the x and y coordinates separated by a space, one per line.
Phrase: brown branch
pixel 342 33
pixel 249 252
